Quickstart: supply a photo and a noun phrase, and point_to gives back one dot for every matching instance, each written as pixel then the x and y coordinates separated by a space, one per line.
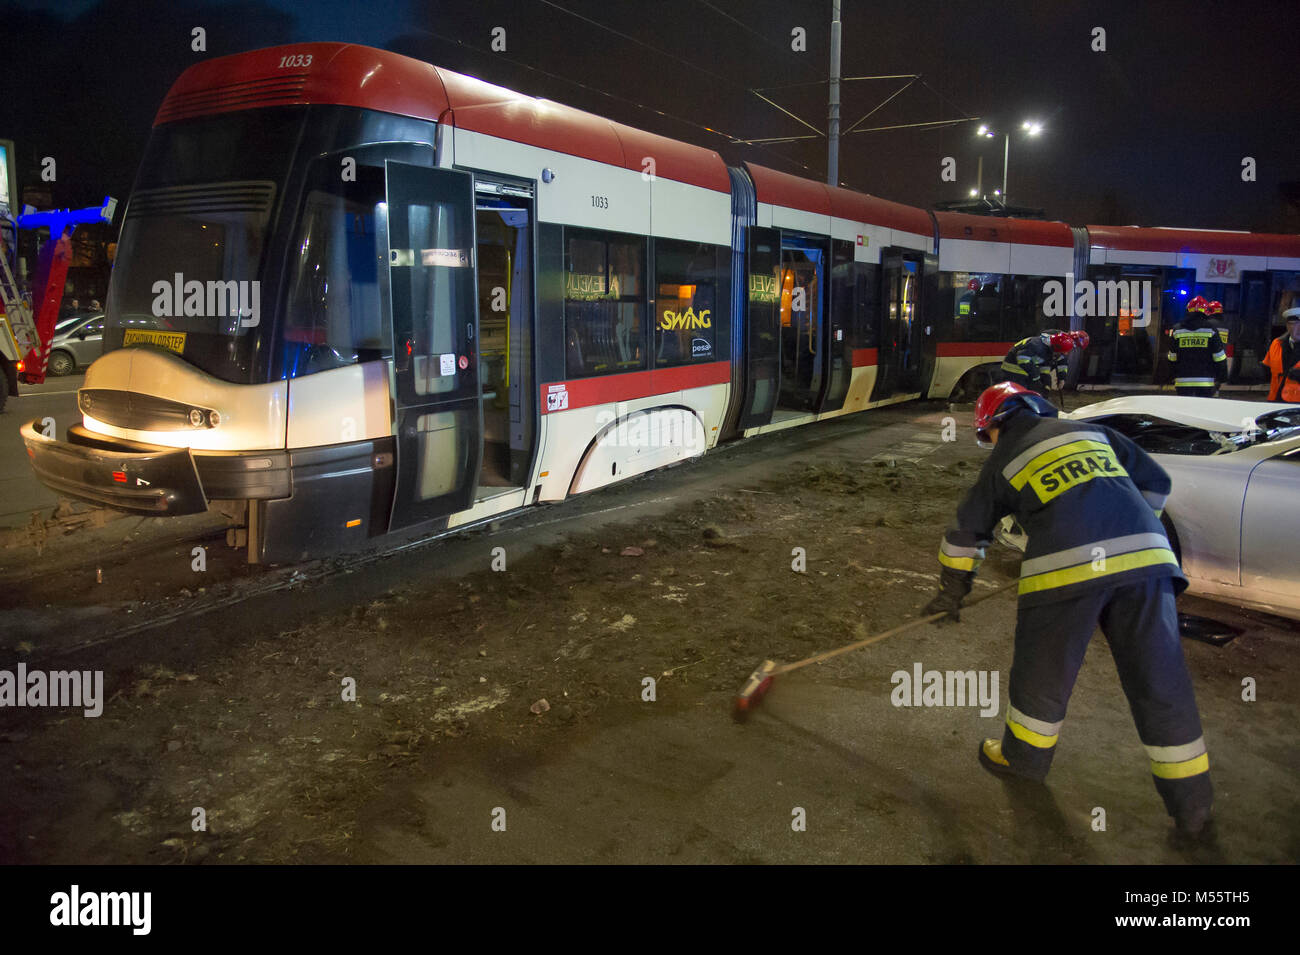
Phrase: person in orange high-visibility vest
pixel 1283 360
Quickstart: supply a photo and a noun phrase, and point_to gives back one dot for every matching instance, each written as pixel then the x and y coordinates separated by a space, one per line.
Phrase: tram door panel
pixel 804 271
pixel 925 332
pixel 839 344
pixel 1251 333
pixel 902 331
pixel 434 312
pixel 505 307
pixel 762 341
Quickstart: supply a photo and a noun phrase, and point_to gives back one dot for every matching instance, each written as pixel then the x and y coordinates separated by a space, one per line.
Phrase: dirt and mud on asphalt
pixel 558 690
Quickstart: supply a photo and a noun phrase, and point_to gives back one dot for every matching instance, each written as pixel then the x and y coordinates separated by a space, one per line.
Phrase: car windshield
pixel 191 260
pixel 1162 436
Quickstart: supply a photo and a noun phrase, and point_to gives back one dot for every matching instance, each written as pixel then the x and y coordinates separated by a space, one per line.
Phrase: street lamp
pixel 986 133
pixel 1031 127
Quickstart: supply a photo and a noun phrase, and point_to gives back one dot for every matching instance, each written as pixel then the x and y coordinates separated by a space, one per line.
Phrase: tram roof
pixel 963 225
pixel 347 74
pixel 794 192
pixel 1141 239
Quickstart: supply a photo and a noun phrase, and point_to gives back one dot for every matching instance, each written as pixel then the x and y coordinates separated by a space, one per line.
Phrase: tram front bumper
pixel 158 482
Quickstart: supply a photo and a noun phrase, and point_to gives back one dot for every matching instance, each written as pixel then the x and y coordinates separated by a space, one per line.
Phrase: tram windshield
pixel 190 264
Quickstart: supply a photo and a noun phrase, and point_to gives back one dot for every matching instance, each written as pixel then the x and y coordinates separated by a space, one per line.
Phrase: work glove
pixel 954 585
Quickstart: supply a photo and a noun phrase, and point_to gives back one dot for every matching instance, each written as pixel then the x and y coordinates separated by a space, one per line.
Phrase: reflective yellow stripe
pixel 958 563
pixel 1012 369
pixel 1082 572
pixel 958 557
pixel 1021 477
pixel 1027 735
pixel 1192 767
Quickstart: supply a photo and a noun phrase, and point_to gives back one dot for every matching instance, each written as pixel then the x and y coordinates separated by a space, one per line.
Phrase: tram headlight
pixel 197 418
pixel 214 419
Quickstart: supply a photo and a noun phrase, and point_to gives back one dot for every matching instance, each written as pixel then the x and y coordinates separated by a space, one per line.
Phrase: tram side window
pixel 974 302
pixel 1025 313
pixel 687 277
pixel 333 316
pixel 604 303
pixel 1286 295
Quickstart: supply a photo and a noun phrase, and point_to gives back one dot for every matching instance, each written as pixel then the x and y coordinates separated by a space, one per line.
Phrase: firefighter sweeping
pixel 1090 501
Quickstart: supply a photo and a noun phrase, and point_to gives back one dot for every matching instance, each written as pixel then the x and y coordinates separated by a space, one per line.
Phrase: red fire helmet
pixel 1062 342
pixel 1081 340
pixel 1214 308
pixel 998 401
pixel 1197 304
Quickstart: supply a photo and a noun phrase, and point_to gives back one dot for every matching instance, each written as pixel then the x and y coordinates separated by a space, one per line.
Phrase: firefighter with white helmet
pixel 1283 360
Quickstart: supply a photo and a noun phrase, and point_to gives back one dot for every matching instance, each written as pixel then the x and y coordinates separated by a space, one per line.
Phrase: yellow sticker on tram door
pixel 172 341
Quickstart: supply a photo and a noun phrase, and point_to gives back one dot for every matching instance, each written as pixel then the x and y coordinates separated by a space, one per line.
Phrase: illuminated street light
pixel 974 193
pixel 1032 128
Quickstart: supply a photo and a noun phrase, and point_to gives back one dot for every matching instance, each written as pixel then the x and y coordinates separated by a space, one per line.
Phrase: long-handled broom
pixel 760 681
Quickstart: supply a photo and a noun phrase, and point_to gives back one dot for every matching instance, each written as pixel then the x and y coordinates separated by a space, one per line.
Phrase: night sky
pixel 1152 131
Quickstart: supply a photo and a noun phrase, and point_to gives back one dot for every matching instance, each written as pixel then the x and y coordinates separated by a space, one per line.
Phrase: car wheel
pixel 61 363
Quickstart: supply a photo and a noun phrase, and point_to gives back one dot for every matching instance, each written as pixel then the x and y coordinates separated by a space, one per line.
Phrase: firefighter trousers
pixel 1140 623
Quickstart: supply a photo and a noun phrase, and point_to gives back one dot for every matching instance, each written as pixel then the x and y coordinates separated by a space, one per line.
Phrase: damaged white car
pixel 1234 514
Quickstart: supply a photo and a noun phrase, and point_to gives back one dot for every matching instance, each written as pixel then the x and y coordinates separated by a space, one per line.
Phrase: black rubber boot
pixel 1193 830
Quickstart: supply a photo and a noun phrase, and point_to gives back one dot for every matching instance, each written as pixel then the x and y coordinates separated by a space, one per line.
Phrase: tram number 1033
pixel 600 202
pixel 299 59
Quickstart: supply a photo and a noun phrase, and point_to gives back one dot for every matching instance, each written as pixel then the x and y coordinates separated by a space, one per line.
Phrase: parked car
pixel 1233 517
pixel 78 340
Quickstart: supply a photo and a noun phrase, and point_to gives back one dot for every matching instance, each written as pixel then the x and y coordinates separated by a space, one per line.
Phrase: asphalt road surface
pixel 20 492
pixel 235 699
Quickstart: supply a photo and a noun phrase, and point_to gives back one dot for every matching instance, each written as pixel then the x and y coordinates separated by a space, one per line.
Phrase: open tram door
pixel 762 339
pixel 434 312
pixel 907 330
pixel 804 323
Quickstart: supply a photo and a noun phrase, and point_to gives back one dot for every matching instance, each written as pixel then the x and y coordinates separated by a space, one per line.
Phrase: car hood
pixel 1211 414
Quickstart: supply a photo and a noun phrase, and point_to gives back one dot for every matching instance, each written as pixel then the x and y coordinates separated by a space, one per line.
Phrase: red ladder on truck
pixel 30 321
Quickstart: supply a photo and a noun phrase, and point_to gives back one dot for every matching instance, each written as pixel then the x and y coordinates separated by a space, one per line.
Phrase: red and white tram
pixel 356 294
